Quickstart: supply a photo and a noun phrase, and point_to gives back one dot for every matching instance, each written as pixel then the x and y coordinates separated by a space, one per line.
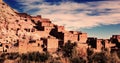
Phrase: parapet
pixel 74 32
pixel 36 17
pixel 116 36
pixel 45 20
pixel 39 16
pixel 92 38
pixel 99 40
pixel 60 26
pixel 23 15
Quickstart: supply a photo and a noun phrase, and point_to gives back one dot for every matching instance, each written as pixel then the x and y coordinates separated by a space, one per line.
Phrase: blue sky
pixel 99 18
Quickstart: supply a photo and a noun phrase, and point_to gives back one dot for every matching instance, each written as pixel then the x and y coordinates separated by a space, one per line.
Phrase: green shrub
pixel 100 58
pixel 35 56
pixel 2 60
pixel 68 49
pixel 12 56
pixel 77 60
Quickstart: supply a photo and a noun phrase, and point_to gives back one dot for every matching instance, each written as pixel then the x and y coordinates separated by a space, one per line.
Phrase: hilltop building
pixel 23 33
pixel 20 32
pixel 100 44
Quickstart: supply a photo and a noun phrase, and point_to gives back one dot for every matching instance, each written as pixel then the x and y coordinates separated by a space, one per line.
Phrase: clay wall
pixel 1 49
pixel 82 49
pixel 13 49
pixel 48 29
pixel 45 20
pixel 116 37
pixel 99 45
pixel 61 29
pixel 7 47
pixel 82 37
pixel 23 47
pixel 36 18
pixel 108 44
pixel 71 37
pixel 91 41
pixel 35 46
pixel 47 24
pixel 41 33
pixel 52 44
pixel 25 15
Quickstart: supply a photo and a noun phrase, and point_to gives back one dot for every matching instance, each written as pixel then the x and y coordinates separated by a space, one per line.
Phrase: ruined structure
pixel 116 37
pixel 20 32
pixel 100 44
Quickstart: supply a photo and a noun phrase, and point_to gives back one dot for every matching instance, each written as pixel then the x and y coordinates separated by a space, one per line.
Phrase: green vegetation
pixel 12 56
pixel 70 52
pixel 102 57
pixel 23 58
pixel 68 49
pixel 67 54
pixel 77 60
pixel 35 57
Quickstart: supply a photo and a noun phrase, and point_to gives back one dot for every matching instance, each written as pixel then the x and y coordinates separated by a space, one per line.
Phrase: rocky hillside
pixel 32 32
pixel 11 24
pixel 15 25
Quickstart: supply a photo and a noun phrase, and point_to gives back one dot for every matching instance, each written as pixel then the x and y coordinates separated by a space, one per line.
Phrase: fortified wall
pixel 34 33
pixel 41 34
pixel 21 32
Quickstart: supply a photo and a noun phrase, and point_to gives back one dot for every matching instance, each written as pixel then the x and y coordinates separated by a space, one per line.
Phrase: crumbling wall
pixel 82 37
pixel 52 44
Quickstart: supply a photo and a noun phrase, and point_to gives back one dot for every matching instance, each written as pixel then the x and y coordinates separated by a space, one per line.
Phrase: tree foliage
pixel 12 56
pixel 77 60
pixel 35 56
pixel 68 49
pixel 99 58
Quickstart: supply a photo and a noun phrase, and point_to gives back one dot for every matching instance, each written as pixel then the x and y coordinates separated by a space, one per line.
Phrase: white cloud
pixel 28 1
pixel 78 15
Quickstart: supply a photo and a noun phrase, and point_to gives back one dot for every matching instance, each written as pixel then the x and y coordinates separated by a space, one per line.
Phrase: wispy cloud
pixel 28 1
pixel 76 15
